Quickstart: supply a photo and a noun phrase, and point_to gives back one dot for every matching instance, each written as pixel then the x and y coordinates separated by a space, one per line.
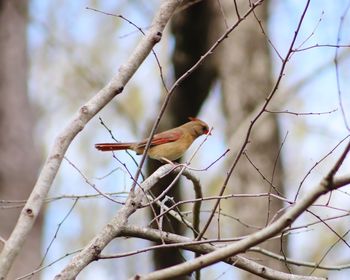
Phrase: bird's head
pixel 198 127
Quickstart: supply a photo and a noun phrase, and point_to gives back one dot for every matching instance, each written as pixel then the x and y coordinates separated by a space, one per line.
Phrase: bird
pixel 166 146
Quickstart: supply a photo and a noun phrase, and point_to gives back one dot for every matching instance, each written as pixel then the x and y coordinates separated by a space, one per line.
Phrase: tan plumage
pixel 170 144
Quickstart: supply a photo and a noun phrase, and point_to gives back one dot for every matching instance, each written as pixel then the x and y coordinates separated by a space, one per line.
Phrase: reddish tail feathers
pixel 112 146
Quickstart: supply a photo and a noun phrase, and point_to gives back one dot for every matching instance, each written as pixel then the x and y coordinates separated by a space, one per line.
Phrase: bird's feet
pixel 165 160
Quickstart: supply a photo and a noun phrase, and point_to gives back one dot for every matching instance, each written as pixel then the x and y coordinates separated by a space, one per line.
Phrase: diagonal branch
pixel 202 248
pixel 113 228
pixel 254 120
pixel 35 202
pixel 325 186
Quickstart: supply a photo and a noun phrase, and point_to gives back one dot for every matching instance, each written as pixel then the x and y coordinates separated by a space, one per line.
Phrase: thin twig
pixel 143 33
pixel 91 184
pixel 342 18
pixel 252 123
pixel 57 230
pixel 302 113
pixel 297 262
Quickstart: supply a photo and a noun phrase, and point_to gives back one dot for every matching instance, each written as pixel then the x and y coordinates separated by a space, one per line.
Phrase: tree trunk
pixel 244 67
pixel 192 40
pixel 19 160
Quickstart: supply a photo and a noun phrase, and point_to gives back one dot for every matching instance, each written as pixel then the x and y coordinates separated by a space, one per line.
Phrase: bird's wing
pixel 162 138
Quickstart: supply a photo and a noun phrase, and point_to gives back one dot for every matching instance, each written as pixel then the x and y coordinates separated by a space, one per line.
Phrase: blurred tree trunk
pixel 244 68
pixel 19 160
pixel 192 40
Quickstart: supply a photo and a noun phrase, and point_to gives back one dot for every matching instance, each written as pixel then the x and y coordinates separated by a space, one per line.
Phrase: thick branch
pixel 34 204
pixel 113 228
pixel 237 261
pixel 326 185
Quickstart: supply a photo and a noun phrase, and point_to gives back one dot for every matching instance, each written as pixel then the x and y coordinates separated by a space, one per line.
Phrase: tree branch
pixel 34 204
pixel 199 247
pixel 298 263
pixel 326 185
pixel 113 228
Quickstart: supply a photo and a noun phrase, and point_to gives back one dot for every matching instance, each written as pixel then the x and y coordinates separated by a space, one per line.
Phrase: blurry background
pixel 73 51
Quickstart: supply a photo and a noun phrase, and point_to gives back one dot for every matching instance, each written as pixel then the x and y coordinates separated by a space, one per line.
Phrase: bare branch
pixel 91 184
pixel 33 206
pixel 342 18
pixel 301 113
pixel 143 33
pixel 113 228
pixel 186 75
pixel 259 114
pixel 317 163
pixel 57 230
pixel 276 227
pixel 297 262
pixel 196 246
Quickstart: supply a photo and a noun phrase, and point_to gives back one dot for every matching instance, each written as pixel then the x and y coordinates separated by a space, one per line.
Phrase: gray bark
pixel 19 160
pixel 244 68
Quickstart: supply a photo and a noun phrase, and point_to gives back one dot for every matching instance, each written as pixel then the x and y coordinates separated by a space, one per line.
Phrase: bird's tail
pixel 113 146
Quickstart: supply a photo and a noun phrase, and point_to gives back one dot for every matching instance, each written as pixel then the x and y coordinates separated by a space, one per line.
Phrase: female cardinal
pixel 167 145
